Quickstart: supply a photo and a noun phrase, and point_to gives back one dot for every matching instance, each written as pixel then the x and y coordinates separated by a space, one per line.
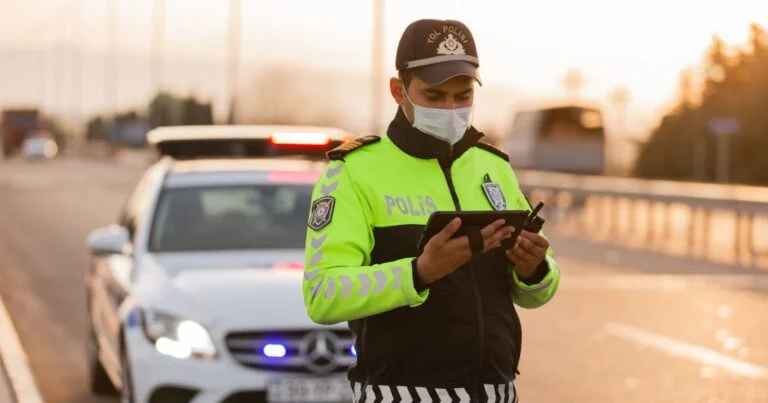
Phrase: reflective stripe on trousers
pixel 501 393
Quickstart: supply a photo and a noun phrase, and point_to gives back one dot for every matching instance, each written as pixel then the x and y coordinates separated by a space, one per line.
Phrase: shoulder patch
pixel 321 212
pixel 493 150
pixel 339 152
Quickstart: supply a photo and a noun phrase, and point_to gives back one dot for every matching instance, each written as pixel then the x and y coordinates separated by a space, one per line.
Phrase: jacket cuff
pixel 541 271
pixel 418 283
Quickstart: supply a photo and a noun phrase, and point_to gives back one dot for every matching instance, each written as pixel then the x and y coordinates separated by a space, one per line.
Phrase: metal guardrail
pixel 675 217
pixel 647 214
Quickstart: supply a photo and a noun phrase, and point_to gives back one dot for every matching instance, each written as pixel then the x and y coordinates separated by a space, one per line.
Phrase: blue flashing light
pixel 134 318
pixel 353 351
pixel 274 350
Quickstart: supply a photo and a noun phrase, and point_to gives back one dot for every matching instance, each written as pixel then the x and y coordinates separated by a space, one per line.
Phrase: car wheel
pixel 100 382
pixel 126 393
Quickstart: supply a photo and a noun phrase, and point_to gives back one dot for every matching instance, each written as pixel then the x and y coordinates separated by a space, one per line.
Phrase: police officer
pixel 440 324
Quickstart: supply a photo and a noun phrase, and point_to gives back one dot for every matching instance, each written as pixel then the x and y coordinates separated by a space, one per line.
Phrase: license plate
pixel 309 390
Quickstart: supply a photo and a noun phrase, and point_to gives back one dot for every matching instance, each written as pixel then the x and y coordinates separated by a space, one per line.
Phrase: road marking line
pixel 664 282
pixel 16 362
pixel 685 350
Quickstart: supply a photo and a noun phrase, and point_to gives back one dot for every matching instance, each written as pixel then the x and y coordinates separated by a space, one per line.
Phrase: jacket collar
pixel 418 144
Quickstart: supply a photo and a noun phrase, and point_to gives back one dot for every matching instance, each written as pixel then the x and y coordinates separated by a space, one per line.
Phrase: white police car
pixel 194 294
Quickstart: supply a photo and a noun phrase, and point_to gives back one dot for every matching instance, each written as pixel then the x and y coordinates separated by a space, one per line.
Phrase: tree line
pixel 729 98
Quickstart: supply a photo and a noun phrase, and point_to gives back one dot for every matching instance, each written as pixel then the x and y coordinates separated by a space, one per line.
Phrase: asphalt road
pixel 624 327
pixel 46 211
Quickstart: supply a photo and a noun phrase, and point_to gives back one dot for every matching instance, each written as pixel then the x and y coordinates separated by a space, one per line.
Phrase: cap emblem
pixel 450 46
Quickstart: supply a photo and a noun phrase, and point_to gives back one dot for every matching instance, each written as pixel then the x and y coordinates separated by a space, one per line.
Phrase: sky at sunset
pixel 525 47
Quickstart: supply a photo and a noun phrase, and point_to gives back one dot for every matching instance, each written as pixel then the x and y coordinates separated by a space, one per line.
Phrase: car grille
pixel 315 351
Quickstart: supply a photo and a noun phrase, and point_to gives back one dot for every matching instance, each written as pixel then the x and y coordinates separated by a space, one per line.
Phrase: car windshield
pixel 265 216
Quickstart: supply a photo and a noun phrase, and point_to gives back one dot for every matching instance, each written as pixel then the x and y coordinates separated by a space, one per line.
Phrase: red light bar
pixel 289 266
pixel 300 139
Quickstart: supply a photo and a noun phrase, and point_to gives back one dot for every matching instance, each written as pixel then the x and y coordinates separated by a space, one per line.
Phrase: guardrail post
pixel 737 241
pixel 649 229
pixel 631 223
pixel 563 208
pixel 583 214
pixel 615 229
pixel 753 258
pixel 593 204
pixel 705 238
pixel 694 213
pixel 665 227
pixel 607 213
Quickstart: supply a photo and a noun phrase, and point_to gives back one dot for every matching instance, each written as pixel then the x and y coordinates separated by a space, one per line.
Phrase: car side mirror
pixel 110 240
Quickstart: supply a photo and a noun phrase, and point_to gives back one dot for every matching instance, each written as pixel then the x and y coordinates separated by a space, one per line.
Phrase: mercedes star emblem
pixel 320 350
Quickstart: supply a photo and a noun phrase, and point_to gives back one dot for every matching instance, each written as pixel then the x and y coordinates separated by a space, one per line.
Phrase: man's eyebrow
pixel 433 91
pixel 465 92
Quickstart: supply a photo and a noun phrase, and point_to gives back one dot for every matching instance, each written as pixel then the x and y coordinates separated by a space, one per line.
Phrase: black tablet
pixel 474 219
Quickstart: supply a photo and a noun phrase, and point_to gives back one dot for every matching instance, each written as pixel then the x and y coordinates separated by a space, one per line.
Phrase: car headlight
pixel 178 337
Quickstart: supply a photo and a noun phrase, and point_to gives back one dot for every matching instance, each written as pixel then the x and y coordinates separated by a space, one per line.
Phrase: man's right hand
pixel 442 255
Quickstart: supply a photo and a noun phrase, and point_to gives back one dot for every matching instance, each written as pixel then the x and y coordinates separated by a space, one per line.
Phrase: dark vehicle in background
pixel 15 126
pixel 568 138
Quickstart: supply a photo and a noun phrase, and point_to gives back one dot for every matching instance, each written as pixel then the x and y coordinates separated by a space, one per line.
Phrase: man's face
pixel 455 93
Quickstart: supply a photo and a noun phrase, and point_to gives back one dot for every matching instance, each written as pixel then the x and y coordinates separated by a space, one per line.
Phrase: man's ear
pixel 396 89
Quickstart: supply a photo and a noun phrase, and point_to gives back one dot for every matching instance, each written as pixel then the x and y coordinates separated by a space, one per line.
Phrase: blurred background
pixel 642 125
pixel 108 70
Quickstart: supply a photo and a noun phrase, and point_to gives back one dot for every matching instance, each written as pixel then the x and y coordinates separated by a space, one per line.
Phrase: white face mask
pixel 448 125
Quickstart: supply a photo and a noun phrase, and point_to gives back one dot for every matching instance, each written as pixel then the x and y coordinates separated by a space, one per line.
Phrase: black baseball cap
pixel 438 50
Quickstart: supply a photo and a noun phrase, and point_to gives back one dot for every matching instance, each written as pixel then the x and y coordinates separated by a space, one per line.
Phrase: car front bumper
pixel 159 377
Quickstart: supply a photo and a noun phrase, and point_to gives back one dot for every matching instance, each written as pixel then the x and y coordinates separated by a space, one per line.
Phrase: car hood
pixel 232 291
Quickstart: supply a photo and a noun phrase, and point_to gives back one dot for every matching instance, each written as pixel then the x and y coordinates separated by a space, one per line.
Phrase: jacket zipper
pixel 475 288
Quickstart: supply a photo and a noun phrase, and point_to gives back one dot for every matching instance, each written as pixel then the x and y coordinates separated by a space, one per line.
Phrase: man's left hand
pixel 528 253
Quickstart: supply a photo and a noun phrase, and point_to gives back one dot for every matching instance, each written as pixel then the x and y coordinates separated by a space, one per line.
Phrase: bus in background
pixel 568 138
